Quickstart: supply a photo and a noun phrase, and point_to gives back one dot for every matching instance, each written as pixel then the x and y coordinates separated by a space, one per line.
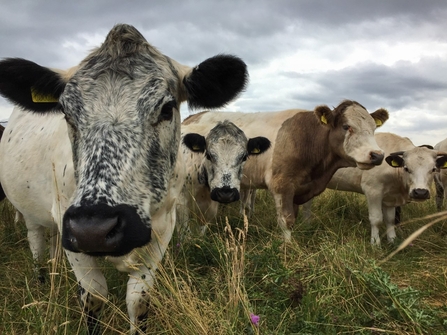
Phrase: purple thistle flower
pixel 254 319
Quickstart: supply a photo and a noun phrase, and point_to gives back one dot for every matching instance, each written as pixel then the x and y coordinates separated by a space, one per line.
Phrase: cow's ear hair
pixel 324 115
pixel 257 145
pixel 380 116
pixel 215 82
pixel 395 161
pixel 195 142
pixel 30 85
pixel 441 162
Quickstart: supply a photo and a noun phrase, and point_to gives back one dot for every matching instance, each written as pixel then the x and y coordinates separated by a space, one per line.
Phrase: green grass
pixel 330 280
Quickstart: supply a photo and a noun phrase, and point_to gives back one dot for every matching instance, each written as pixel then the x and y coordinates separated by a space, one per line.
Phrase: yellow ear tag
pixel 378 122
pixel 255 151
pixel 445 165
pixel 323 119
pixel 40 98
pixel 195 148
pixel 394 163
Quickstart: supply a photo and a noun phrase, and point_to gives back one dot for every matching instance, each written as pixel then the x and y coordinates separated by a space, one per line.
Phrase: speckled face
pixel 124 124
pixel 226 152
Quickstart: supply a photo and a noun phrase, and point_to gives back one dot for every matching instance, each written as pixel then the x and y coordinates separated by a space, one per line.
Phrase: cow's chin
pixel 365 166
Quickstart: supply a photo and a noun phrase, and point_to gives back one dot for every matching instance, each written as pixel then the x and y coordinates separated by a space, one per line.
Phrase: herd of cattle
pixel 98 154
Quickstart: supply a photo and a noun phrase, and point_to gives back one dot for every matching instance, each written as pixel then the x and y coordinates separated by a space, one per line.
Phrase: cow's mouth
pixel 365 166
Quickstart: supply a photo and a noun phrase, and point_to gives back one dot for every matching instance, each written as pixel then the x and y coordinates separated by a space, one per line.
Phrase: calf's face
pixel 225 149
pixel 417 168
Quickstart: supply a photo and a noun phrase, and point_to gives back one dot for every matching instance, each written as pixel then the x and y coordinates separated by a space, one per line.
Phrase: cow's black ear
pixel 30 85
pixel 257 145
pixel 216 81
pixel 195 142
pixel 441 162
pixel 395 161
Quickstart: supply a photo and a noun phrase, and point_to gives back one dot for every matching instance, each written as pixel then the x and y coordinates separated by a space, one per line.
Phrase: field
pixel 330 280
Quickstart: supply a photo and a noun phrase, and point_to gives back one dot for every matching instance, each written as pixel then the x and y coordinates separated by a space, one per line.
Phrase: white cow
pixel 406 178
pixel 214 170
pixel 92 153
pixel 307 148
pixel 441 178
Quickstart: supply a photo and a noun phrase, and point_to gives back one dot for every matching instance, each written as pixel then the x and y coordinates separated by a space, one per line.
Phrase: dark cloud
pixel 60 33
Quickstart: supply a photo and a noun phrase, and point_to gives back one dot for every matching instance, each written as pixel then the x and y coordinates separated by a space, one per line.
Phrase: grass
pixel 329 281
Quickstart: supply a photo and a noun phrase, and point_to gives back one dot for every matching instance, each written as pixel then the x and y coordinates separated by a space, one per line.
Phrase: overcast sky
pixel 300 54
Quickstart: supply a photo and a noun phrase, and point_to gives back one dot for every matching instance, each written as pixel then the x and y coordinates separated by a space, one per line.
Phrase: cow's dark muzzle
pixel 376 158
pixel 420 194
pixel 225 194
pixel 102 230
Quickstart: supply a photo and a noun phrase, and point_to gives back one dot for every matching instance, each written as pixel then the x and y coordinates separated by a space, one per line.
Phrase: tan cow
pixel 307 148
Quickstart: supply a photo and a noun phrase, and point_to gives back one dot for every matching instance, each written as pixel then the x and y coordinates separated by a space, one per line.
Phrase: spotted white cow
pixel 92 152
pixel 406 178
pixel 441 178
pixel 307 148
pixel 213 170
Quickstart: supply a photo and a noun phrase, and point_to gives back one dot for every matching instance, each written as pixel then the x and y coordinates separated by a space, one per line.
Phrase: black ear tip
pixel 216 81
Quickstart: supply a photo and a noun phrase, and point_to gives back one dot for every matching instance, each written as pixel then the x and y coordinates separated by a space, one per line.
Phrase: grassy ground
pixel 329 281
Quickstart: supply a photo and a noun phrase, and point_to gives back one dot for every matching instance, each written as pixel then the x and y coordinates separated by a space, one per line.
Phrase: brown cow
pixel 307 148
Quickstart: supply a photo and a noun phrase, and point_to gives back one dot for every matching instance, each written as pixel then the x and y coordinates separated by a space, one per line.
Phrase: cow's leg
pixel 209 210
pixel 388 217
pixel 142 265
pixel 36 240
pixel 286 214
pixel 92 288
pixel 439 191
pixel 248 198
pixel 375 217
pixel 307 210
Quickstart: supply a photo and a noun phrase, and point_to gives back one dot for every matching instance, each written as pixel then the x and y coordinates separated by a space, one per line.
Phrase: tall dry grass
pixel 329 281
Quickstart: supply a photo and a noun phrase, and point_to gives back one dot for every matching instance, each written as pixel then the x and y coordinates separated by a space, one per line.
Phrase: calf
pixel 307 148
pixel 405 178
pixel 214 170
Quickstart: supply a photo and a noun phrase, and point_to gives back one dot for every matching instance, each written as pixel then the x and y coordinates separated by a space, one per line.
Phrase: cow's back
pixel 257 169
pixel 36 169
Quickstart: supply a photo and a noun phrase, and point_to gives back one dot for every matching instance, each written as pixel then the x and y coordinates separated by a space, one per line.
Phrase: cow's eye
pixel 434 169
pixel 406 169
pixel 208 156
pixel 244 158
pixel 346 127
pixel 167 111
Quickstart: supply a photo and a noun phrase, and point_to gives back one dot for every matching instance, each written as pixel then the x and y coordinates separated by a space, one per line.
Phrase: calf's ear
pixel 441 162
pixel 195 142
pixel 258 145
pixel 395 161
pixel 380 116
pixel 30 85
pixel 215 82
pixel 324 115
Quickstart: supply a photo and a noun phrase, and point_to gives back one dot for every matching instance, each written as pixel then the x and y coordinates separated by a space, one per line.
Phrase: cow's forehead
pixel 419 157
pixel 357 116
pixel 226 130
pixel 124 64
